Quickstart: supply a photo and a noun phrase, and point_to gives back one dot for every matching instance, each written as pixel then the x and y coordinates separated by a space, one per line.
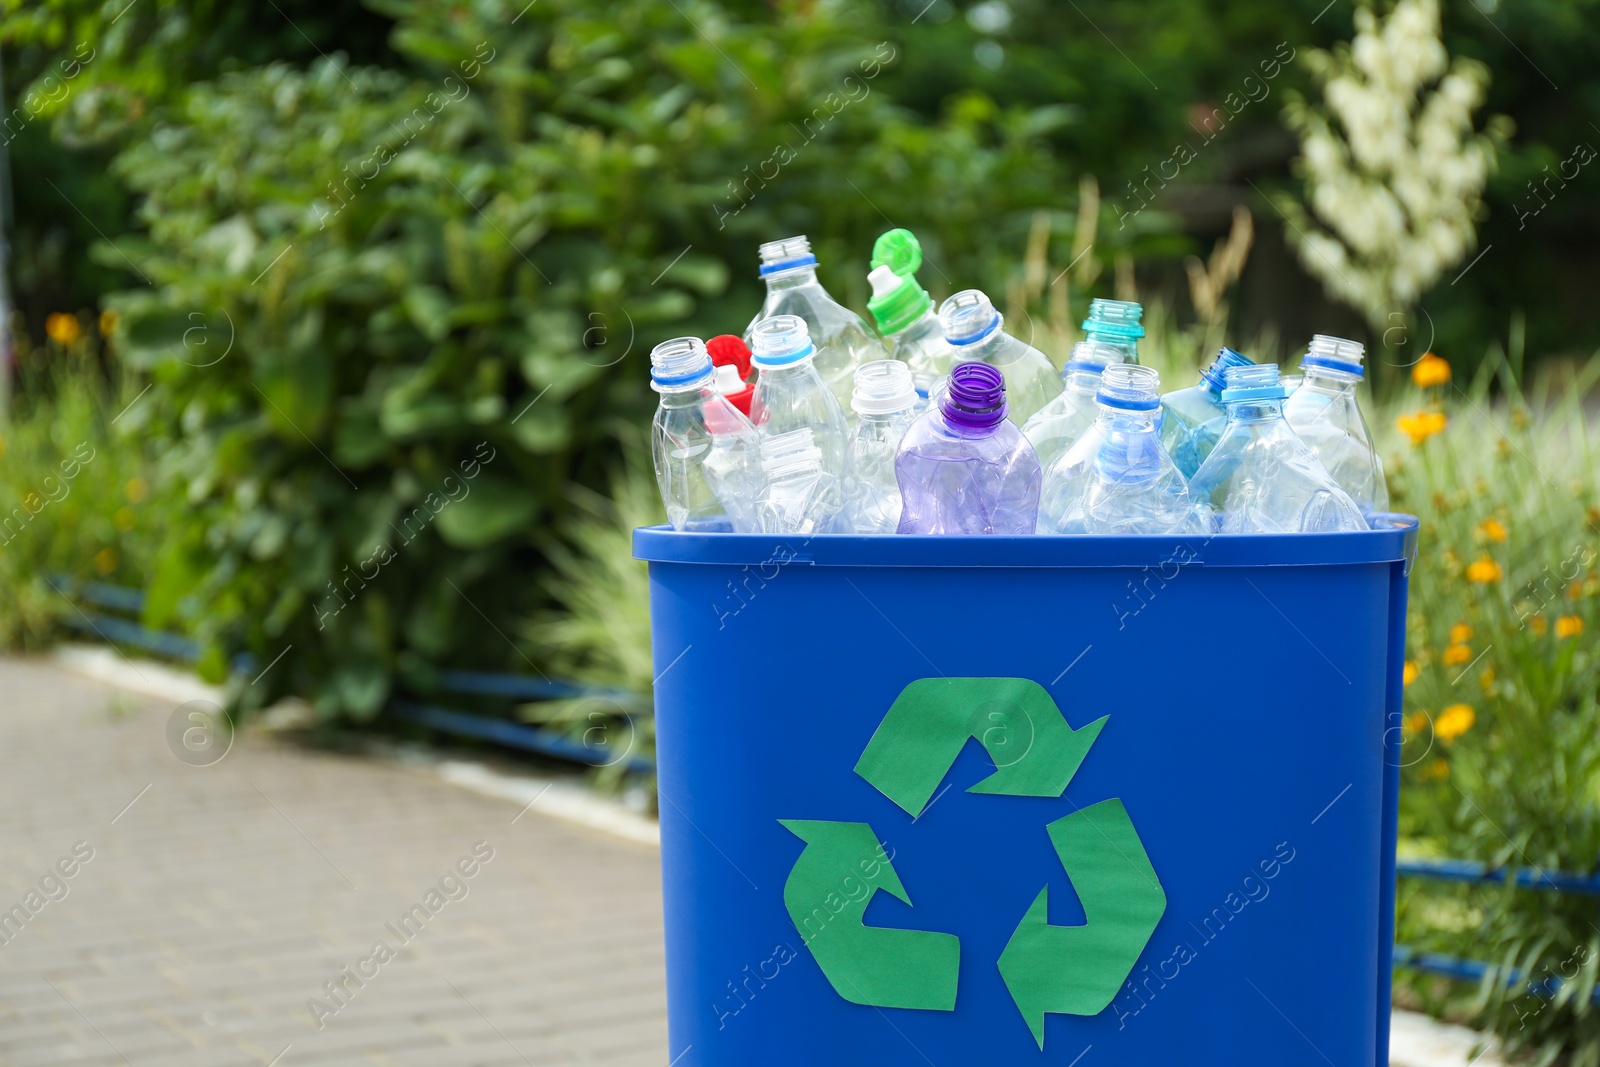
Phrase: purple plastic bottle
pixel 963 467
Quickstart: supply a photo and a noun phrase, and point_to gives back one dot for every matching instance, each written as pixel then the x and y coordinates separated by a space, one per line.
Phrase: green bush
pixel 362 281
pixel 1503 695
pixel 76 500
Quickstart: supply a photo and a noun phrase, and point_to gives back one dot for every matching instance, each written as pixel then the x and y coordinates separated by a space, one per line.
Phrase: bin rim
pixel 1393 539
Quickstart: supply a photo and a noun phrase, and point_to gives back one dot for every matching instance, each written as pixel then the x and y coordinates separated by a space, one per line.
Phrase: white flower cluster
pixel 1393 165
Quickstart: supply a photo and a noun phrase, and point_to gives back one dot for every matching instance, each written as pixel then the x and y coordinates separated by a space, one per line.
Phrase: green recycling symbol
pixel 1074 970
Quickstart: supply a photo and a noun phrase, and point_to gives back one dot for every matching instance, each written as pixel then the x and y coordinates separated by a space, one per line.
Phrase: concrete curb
pixel 566 798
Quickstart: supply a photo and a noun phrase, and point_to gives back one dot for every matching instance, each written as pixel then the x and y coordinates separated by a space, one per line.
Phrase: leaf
pixel 494 508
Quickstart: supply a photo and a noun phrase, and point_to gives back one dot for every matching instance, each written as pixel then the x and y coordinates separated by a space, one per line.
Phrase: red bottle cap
pixel 730 385
pixel 730 351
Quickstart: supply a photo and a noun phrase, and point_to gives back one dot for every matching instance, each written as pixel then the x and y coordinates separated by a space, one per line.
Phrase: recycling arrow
pixel 1077 970
pixel 827 894
pixel 1035 751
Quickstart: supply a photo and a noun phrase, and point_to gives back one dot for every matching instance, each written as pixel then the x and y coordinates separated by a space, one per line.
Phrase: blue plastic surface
pixel 1251 684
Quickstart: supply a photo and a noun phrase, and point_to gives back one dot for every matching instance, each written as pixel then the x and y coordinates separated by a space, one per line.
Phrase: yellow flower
pixel 136 489
pixel 1574 590
pixel 1569 626
pixel 1421 425
pixel 1486 679
pixel 105 561
pixel 1456 655
pixel 62 328
pixel 1430 371
pixel 1537 623
pixel 1493 530
pixel 1437 769
pixel 1460 633
pixel 108 322
pixel 1454 721
pixel 124 518
pixel 1416 722
pixel 1410 674
pixel 1484 570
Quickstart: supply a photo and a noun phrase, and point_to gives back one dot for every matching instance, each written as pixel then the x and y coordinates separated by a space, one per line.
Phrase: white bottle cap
pixel 883 281
pixel 728 381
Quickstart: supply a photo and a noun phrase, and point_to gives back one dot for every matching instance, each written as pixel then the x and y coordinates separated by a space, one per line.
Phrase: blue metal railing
pixel 115 629
pixel 1470 970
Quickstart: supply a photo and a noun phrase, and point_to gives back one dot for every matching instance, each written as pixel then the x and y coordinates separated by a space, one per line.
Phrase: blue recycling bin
pixel 1024 800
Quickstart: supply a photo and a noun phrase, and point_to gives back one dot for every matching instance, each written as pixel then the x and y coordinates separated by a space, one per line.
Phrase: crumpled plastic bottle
pixel 707 455
pixel 1118 478
pixel 964 468
pixel 843 340
pixel 1260 477
pixel 885 403
pixel 1055 427
pixel 1324 412
pixel 976 331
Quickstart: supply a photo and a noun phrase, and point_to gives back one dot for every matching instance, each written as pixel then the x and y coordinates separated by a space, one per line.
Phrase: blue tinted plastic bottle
pixel 1192 418
pixel 1118 479
pixel 1261 478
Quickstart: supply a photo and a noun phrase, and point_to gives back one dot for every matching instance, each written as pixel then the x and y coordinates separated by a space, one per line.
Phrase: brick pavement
pixel 207 905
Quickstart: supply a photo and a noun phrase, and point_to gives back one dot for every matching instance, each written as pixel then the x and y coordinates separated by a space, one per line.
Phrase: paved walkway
pixel 206 906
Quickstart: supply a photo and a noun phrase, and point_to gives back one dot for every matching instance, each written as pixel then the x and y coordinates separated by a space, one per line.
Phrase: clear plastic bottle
pixel 1116 323
pixel 1058 424
pixel 976 331
pixel 1324 412
pixel 1118 479
pixel 885 403
pixel 1261 478
pixel 801 497
pixel 964 468
pixel 790 394
pixel 707 455
pixel 904 311
pixel 1192 418
pixel 843 341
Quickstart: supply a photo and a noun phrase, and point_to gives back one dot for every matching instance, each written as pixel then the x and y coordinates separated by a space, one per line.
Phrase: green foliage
pixel 362 280
pixel 600 634
pixel 75 497
pixel 1500 764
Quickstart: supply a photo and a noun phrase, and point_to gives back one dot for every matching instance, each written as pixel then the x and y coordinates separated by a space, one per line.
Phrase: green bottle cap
pixel 899 251
pixel 896 305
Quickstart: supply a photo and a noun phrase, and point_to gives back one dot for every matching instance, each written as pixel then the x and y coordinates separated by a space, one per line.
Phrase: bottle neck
pixel 800 368
pixel 688 396
pixel 1255 410
pixel 1128 421
pixel 979 350
pixel 1332 382
pixel 1128 347
pixel 1082 382
pixel 791 279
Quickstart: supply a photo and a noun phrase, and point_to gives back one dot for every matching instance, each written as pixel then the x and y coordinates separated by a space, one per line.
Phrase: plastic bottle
pixel 964 468
pixel 790 394
pixel 1116 323
pixel 801 497
pixel 1261 478
pixel 1118 478
pixel 843 341
pixel 1324 412
pixel 885 403
pixel 904 311
pixel 977 332
pixel 1058 424
pixel 1192 418
pixel 731 356
pixel 707 455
